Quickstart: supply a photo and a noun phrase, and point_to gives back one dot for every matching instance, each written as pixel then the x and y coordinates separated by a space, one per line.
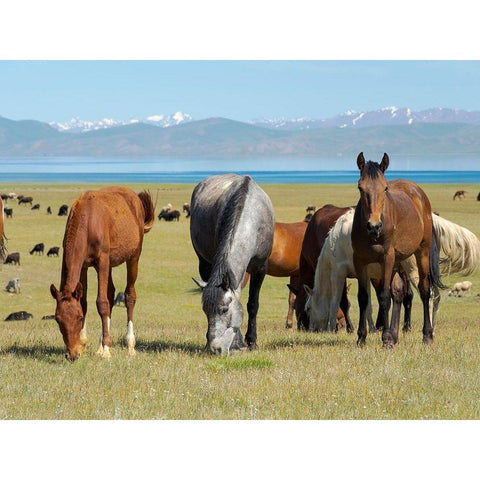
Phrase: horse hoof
pixel 427 340
pixel 132 352
pixel 252 346
pixel 388 345
pixel 361 342
pixel 288 325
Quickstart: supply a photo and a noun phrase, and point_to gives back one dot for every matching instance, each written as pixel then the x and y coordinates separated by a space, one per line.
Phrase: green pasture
pixel 292 375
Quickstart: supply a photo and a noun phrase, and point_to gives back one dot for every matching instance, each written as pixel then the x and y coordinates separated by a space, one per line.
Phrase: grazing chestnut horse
pixel 105 228
pixel 315 234
pixel 392 221
pixel 460 194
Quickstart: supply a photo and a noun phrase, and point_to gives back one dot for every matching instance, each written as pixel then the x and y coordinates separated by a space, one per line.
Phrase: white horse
pixel 459 253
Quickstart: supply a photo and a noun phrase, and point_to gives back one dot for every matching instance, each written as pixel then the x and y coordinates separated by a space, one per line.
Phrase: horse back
pixel 111 219
pixel 287 245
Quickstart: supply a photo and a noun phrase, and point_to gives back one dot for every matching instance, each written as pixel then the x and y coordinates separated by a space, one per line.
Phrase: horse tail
pixel 459 247
pixel 149 209
pixel 434 269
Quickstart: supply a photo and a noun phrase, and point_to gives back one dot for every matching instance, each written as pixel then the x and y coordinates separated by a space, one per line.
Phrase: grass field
pixel 293 375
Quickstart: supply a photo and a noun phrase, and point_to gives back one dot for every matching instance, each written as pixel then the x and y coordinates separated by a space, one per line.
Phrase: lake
pixel 263 170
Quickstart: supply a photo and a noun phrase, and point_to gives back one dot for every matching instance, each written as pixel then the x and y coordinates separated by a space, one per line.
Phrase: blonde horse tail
pixel 149 210
pixel 459 248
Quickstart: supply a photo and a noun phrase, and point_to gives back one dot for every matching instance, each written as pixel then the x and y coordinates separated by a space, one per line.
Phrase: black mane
pixel 225 234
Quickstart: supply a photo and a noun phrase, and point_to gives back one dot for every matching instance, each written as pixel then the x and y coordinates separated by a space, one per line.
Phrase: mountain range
pixel 398 131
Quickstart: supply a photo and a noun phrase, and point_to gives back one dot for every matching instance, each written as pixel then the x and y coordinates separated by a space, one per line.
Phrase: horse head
pixel 224 311
pixel 70 319
pixel 373 191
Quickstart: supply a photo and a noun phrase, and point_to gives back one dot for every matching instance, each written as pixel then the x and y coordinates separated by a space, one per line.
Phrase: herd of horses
pixel 390 239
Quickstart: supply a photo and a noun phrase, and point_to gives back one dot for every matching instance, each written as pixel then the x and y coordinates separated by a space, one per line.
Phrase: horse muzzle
pixel 374 229
pixel 221 345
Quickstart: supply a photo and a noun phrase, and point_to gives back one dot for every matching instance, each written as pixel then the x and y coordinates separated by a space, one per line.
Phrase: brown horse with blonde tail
pixel 392 221
pixel 105 228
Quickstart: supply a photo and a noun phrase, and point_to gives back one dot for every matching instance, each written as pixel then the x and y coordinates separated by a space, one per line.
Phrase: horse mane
pixel 371 169
pixel 149 209
pixel 225 233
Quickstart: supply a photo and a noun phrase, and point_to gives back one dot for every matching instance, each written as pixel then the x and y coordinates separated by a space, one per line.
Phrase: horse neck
pixel 74 250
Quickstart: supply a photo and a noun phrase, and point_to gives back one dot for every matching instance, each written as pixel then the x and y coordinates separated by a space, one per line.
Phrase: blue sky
pixel 241 90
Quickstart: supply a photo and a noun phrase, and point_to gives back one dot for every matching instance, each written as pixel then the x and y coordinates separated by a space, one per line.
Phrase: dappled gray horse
pixel 232 226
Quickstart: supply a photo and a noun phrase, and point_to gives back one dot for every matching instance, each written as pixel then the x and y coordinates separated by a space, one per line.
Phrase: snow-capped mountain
pixel 384 116
pixel 76 125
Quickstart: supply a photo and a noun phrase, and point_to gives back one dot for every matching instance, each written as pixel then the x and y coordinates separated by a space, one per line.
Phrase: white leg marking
pixel 130 338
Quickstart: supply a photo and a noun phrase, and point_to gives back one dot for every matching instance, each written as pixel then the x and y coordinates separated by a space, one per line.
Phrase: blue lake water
pixel 192 170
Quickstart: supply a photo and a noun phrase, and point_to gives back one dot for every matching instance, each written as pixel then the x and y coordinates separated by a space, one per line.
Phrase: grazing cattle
pixel 38 248
pixel 120 299
pixel 13 258
pixel 392 221
pixel 22 315
pixel 166 208
pixel 186 208
pixel 63 210
pixel 105 229
pixel 48 317
pixel 13 285
pixel 49 210
pixel 19 197
pixel 308 217
pixel 311 209
pixel 460 194
pixel 170 216
pixel 25 200
pixel 36 207
pixel 231 227
pixel 4 197
pixel 460 289
pixel 53 252
pixel 8 212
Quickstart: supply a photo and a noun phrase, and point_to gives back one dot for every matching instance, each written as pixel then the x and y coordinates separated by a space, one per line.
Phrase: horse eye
pixel 81 319
pixel 224 310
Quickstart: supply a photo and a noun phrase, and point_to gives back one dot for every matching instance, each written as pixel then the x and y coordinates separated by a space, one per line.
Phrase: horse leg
pixel 371 325
pixel 397 289
pixel 130 300
pixel 256 281
pixel 423 263
pixel 345 306
pixel 306 278
pixel 103 305
pixel 291 303
pixel 377 285
pixel 362 296
pixel 407 304
pixel 83 303
pixel 436 302
pixel 385 298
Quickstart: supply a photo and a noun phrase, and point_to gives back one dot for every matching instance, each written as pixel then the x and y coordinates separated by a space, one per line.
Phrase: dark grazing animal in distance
pixel 63 210
pixel 22 315
pixel 170 216
pixel 53 252
pixel 36 207
pixel 25 200
pixel 38 248
pixel 13 258
pixel 8 212
pixel 120 299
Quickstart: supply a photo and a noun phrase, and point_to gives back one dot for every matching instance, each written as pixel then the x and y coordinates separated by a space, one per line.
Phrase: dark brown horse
pixel 315 235
pixel 460 194
pixel 392 221
pixel 105 228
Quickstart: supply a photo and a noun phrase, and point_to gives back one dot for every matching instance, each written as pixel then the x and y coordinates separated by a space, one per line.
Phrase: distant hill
pixel 224 137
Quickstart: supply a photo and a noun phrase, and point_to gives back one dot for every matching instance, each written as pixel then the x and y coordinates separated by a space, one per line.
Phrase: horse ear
pixel 200 283
pixel 308 290
pixel 360 161
pixel 55 293
pixel 385 162
pixel 78 293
